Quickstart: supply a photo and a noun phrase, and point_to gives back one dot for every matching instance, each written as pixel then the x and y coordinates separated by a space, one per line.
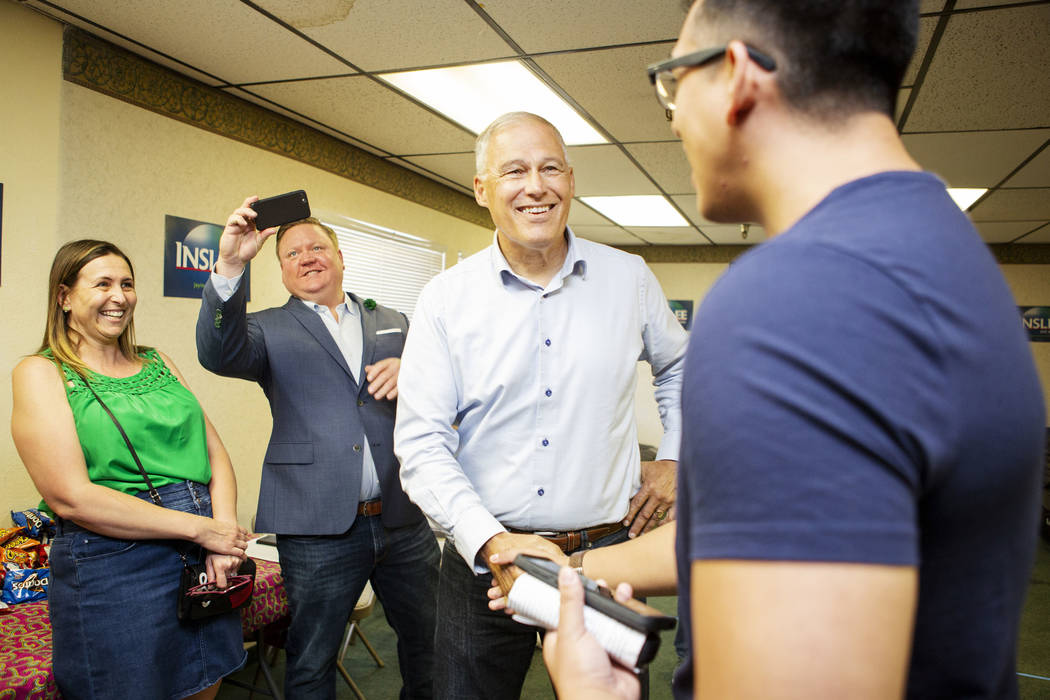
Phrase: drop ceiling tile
pixel 902 99
pixel 582 215
pixel 611 85
pixel 372 113
pixel 968 4
pixel 669 236
pixel 989 73
pixel 666 163
pixel 394 34
pixel 1035 174
pixel 245 94
pixel 974 159
pixel 1014 205
pixel 609 235
pixel 199 33
pixel 542 25
pixel 1040 235
pixel 729 234
pixel 687 203
pixel 433 175
pixel 931 5
pixel 132 46
pixel 1006 231
pixel 458 167
pixel 926 27
pixel 605 170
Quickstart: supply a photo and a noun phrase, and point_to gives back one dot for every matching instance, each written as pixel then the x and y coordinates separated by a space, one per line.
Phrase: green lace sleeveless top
pixel 161 417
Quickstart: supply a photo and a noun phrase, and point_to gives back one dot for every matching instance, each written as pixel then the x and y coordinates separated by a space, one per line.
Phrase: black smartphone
pixel 281 209
pixel 635 614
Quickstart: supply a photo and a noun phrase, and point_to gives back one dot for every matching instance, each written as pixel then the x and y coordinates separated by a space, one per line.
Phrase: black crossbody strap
pixel 154 496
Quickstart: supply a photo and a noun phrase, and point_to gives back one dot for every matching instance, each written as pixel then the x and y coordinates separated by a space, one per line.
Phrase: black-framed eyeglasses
pixel 662 76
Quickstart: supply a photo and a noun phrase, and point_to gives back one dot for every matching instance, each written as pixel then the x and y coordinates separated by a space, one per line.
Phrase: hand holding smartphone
pixel 281 209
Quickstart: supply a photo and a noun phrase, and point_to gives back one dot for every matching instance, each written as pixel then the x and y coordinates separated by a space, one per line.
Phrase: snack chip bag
pixel 38 525
pixel 10 534
pixel 25 557
pixel 20 542
pixel 25 585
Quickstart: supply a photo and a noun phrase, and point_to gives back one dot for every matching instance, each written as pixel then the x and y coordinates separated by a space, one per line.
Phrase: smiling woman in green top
pixel 116 562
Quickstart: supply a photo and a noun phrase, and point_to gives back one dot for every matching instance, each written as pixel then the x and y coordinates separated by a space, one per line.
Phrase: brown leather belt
pixel 373 507
pixel 572 540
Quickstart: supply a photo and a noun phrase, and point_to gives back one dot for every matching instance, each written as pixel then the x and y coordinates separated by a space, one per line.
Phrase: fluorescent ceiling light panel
pixel 475 95
pixel 965 196
pixel 637 210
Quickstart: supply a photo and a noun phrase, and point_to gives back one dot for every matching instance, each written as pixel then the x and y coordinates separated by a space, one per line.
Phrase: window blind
pixel 386 265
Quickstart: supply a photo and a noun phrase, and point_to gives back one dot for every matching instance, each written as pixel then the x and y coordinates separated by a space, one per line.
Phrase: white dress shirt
pixel 346 332
pixel 541 384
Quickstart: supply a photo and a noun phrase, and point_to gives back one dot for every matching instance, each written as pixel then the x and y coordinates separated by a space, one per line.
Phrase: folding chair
pixel 362 610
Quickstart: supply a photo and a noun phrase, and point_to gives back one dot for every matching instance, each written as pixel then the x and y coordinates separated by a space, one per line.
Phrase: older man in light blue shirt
pixel 515 423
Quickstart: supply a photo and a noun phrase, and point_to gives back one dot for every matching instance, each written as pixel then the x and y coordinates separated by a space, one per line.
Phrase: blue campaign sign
pixel 1036 320
pixel 191 249
pixel 683 311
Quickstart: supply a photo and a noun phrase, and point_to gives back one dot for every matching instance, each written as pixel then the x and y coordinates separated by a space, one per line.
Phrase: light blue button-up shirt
pixel 346 332
pixel 540 382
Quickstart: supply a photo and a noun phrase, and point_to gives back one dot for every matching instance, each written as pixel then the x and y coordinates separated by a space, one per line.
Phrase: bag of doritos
pixel 38 524
pixel 25 585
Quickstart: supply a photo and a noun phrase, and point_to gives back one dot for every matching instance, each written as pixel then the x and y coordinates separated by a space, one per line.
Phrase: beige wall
pixel 30 90
pixel 79 164
pixel 679 281
pixel 1030 285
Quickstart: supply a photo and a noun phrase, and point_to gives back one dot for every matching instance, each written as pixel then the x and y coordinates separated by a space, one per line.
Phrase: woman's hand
pixel 220 567
pixel 223 537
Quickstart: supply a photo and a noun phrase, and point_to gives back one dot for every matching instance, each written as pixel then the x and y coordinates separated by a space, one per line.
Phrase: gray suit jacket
pixel 311 476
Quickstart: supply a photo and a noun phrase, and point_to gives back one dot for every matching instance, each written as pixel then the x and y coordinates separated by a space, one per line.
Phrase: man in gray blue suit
pixel 328 363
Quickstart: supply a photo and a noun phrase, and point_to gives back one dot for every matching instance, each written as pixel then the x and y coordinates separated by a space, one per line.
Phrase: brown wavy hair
pixel 59 338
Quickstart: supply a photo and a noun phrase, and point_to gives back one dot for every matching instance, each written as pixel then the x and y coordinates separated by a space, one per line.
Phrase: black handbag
pixel 198 599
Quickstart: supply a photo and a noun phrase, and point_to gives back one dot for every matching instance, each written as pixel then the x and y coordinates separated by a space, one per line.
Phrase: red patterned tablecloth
pixel 25 636
pixel 269 603
pixel 25 653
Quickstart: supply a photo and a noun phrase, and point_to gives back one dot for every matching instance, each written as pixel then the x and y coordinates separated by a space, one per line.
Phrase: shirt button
pixel 547 342
pixel 540 492
pixel 357 448
pixel 548 392
pixel 360 402
pixel 546 442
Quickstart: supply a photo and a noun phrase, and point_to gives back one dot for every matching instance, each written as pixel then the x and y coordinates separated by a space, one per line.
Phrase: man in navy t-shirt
pixel 863 425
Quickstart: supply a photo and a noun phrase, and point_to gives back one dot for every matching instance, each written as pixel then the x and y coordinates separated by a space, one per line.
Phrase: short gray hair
pixel 481 146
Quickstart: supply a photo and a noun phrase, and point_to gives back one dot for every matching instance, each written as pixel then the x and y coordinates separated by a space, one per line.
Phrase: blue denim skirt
pixel 112 605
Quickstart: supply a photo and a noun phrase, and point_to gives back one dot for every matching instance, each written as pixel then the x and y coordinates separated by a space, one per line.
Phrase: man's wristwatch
pixel 576 561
